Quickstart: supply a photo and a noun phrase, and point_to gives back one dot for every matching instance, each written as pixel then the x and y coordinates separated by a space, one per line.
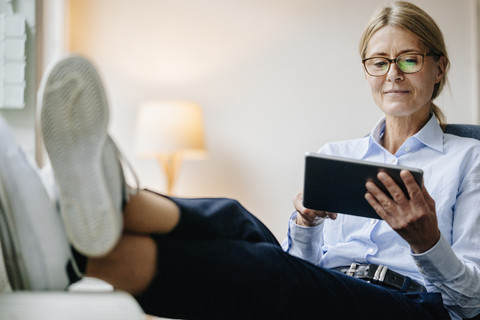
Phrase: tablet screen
pixel 337 184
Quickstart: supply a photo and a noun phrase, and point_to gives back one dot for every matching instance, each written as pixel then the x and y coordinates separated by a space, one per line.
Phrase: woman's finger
pixel 387 203
pixel 392 187
pixel 377 199
pixel 414 191
pixel 428 198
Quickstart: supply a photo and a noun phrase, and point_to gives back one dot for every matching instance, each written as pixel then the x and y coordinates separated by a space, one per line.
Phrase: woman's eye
pixel 380 64
pixel 411 61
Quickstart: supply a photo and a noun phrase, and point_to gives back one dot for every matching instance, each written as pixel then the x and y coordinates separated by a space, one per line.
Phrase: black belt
pixel 381 275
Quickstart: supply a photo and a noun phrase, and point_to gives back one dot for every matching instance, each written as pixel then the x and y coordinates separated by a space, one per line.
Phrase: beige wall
pixel 275 79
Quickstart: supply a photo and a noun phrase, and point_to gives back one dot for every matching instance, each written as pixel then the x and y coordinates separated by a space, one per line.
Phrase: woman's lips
pixel 396 92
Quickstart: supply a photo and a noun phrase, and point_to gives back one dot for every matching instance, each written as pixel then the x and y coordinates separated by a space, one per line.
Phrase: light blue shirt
pixel 451 167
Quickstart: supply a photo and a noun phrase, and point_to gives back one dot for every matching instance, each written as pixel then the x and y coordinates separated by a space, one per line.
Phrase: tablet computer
pixel 337 184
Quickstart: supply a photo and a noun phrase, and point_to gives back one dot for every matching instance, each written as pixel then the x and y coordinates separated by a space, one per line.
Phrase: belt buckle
pixel 380 274
pixel 352 270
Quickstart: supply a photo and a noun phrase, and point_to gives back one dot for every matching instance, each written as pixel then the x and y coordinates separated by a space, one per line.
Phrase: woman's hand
pixel 309 217
pixel 414 219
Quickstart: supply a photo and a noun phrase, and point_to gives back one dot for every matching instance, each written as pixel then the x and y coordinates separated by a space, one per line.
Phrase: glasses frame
pixel 395 60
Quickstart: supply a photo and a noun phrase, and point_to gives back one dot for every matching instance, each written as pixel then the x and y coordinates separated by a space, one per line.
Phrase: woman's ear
pixel 441 67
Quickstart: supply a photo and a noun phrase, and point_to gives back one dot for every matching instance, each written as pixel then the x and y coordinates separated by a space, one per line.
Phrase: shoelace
pixel 126 164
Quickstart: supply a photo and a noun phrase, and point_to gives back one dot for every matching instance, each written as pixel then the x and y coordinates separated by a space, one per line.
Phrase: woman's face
pixel 399 94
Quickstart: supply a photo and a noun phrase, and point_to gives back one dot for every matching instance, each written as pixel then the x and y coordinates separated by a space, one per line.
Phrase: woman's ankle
pixel 130 266
pixel 150 213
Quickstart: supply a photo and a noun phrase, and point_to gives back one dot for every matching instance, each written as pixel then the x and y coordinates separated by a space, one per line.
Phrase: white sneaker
pixel 85 160
pixel 89 284
pixel 35 247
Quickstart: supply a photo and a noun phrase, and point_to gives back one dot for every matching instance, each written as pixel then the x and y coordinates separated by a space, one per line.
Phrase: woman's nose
pixel 394 74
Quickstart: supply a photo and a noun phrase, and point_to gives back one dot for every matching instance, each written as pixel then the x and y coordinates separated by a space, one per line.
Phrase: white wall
pixel 276 78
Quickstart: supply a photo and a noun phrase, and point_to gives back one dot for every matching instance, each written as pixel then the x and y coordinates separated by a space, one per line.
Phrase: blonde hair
pixel 402 14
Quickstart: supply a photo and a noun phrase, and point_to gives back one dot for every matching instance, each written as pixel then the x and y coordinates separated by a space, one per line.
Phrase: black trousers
pixel 221 262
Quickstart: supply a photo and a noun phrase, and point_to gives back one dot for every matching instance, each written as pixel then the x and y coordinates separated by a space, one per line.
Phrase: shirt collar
pixel 431 135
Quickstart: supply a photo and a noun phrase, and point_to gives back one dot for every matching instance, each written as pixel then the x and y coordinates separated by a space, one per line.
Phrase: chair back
pixel 464 130
pixel 468 131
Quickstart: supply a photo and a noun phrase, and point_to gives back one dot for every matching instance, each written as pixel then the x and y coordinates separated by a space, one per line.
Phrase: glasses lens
pixel 410 63
pixel 377 66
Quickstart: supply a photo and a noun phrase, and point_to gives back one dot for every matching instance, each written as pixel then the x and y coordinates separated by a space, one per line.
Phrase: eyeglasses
pixel 407 63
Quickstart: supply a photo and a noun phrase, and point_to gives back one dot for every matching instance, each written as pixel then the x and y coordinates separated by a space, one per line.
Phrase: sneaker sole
pixel 74 120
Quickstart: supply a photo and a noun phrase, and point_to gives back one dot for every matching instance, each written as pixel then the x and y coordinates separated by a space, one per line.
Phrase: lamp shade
pixel 170 127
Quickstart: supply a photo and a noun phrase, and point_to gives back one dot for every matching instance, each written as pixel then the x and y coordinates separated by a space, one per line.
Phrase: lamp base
pixel 171 166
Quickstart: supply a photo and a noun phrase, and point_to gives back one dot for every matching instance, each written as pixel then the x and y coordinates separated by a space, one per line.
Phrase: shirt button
pixel 393 161
pixel 370 250
pixel 372 221
pixel 407 149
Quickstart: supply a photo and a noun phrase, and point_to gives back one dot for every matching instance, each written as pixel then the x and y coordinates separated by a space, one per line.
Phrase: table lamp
pixel 170 131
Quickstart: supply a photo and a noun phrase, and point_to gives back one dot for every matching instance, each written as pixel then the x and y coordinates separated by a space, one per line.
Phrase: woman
pixel 405 64
pixel 210 258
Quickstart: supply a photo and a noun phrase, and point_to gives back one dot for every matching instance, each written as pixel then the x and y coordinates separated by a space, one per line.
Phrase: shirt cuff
pixel 440 263
pixel 304 242
pixel 303 234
